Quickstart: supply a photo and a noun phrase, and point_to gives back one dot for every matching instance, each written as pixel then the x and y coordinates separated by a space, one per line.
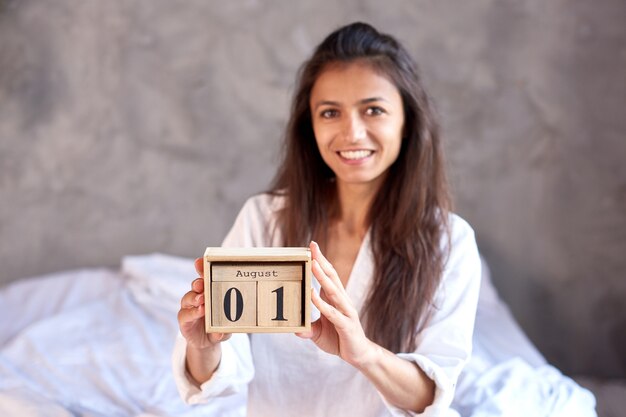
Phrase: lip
pixel 356 161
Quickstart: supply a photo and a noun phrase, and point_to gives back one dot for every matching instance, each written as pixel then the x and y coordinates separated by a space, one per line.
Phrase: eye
pixel 375 111
pixel 329 113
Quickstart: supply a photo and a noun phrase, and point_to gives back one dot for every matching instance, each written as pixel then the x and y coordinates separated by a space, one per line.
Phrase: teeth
pixel 355 154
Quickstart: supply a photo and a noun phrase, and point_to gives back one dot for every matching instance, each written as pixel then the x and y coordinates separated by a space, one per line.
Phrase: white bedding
pixel 98 343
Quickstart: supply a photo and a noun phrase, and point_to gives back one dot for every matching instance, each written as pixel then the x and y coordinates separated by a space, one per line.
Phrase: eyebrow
pixel 336 103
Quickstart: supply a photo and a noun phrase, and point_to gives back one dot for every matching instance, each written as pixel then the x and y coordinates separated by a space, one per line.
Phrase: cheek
pixel 322 146
pixel 396 151
pixel 393 139
pixel 323 137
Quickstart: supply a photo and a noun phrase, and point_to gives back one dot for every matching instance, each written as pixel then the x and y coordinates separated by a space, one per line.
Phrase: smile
pixel 356 154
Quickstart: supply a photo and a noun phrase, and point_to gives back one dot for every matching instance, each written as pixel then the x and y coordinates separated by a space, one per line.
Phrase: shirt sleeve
pixel 232 376
pixel 236 368
pixel 444 346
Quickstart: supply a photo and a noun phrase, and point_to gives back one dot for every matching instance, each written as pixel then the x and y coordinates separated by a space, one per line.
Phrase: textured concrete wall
pixel 136 126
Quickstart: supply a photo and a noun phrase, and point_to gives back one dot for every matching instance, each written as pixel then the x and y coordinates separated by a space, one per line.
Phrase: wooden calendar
pixel 257 290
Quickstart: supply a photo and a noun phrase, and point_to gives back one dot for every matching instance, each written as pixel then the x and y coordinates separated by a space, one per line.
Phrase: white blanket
pixel 98 343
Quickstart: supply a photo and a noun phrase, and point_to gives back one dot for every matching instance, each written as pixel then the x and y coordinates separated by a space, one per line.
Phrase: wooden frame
pixel 257 290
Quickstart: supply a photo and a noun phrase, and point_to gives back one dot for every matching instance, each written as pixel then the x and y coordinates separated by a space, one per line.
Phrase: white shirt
pixel 284 375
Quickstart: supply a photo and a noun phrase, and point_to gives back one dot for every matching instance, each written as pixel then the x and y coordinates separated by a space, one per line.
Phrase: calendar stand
pixel 257 290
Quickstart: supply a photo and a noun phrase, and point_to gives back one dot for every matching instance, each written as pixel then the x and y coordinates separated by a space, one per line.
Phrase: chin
pixel 361 180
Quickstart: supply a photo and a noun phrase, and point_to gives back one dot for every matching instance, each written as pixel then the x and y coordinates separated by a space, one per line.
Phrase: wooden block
pixel 253 271
pixel 257 254
pixel 279 303
pixel 233 304
pixel 264 290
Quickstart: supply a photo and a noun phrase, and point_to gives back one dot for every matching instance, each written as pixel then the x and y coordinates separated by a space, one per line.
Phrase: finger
pixel 323 295
pixel 314 333
pixel 219 337
pixel 199 264
pixel 331 293
pixel 192 300
pixel 188 315
pixel 331 313
pixel 304 335
pixel 198 285
pixel 325 264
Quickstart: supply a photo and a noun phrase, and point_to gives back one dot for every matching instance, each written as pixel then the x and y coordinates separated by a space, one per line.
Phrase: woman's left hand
pixel 338 330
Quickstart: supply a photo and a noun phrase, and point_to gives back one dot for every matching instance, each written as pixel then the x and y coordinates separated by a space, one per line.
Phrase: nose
pixel 354 129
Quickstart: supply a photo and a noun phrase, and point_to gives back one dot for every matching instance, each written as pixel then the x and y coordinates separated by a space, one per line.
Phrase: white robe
pixel 283 375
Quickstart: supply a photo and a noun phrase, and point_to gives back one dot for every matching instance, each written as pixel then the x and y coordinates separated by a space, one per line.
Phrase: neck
pixel 355 201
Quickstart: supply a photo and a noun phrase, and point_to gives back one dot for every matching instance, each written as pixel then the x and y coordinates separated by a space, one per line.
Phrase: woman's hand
pixel 338 330
pixel 191 315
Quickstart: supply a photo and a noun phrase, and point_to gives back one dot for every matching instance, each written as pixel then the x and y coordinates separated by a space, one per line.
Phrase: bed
pixel 97 342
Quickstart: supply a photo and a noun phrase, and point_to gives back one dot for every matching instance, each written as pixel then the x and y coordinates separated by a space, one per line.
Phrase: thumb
pixel 316 328
pixel 218 337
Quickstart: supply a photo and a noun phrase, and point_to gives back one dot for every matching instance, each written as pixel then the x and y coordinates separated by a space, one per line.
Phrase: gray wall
pixel 129 127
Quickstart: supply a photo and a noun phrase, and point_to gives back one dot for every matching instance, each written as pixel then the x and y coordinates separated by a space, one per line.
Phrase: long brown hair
pixel 411 208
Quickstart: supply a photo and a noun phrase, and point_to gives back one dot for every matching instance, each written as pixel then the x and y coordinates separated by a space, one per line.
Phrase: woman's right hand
pixel 191 315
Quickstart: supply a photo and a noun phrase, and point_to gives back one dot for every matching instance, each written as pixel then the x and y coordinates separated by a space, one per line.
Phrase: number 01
pixel 239 304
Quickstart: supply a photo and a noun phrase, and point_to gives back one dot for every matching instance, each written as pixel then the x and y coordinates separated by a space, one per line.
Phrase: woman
pixel 362 175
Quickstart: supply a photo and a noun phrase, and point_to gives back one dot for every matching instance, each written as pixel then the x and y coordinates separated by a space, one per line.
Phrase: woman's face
pixel 358 120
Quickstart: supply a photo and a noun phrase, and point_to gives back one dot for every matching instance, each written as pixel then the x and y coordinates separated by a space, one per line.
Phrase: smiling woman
pixel 361 92
pixel 358 121
pixel 399 275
